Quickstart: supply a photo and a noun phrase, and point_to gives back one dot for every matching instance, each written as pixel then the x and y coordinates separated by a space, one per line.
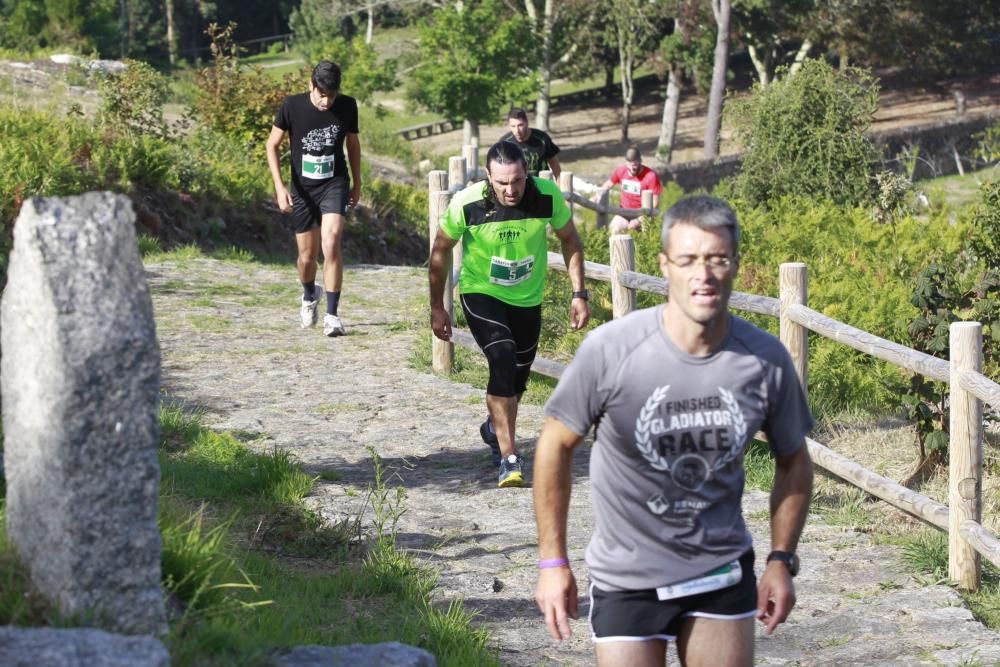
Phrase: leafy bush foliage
pixel 134 99
pixel 472 61
pixel 235 100
pixel 963 290
pixel 804 135
pixel 362 75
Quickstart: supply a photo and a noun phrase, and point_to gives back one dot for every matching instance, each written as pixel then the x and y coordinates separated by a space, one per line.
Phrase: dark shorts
pixel 640 615
pixel 309 206
pixel 508 336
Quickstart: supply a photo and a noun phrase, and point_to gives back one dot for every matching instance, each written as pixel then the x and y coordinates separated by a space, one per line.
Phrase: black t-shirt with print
pixel 538 150
pixel 317 138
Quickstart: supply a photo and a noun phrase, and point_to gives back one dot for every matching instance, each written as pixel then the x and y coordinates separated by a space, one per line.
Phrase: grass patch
pixel 249 570
pixel 210 323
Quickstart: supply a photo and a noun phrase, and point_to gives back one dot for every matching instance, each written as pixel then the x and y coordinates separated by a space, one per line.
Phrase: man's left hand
pixel 355 196
pixel 775 596
pixel 579 313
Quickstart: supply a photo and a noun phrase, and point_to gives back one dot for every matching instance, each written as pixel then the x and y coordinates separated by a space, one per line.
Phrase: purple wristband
pixel 552 562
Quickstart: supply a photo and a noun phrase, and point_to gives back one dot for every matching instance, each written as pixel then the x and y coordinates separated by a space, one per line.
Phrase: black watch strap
pixel 582 294
pixel 788 558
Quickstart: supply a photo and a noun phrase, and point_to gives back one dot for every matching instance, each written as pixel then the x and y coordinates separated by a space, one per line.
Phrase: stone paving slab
pixel 232 345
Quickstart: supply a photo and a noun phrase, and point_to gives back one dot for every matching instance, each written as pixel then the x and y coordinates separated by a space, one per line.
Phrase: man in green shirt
pixel 502 225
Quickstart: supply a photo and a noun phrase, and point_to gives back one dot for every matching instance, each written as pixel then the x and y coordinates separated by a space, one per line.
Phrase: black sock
pixel 309 291
pixel 332 300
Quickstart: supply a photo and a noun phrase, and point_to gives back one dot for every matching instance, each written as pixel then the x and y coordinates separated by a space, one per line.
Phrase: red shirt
pixel 632 186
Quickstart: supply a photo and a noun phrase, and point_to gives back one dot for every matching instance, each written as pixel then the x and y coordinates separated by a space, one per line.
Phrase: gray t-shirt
pixel 666 469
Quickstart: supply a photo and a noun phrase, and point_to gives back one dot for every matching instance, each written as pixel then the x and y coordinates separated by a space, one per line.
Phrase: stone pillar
pixel 80 377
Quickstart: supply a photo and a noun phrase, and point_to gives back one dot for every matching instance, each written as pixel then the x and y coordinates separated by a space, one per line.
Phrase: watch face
pixel 790 560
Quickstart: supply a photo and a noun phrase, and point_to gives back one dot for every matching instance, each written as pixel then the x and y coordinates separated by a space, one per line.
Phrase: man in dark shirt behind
pixel 319 123
pixel 538 148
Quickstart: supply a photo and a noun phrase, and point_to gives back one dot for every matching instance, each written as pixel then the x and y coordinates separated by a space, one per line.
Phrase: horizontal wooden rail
pixel 593 270
pixel 610 210
pixel 921 506
pixel 981 387
pixel 918 362
pixel 982 540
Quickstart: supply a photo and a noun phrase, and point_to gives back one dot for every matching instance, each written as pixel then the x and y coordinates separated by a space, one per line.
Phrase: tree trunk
pixel 609 78
pixel 800 57
pixel 722 10
pixel 542 106
pixel 123 28
pixel 761 66
pixel 171 42
pixel 470 132
pixel 625 58
pixel 671 107
pixel 371 22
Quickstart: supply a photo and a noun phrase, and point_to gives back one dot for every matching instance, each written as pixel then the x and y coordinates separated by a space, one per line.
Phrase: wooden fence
pixel 968 540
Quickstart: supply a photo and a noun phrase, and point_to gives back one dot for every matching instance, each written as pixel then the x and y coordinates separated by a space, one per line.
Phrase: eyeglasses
pixel 716 263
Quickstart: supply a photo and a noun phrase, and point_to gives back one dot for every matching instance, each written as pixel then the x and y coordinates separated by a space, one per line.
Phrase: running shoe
pixel 308 313
pixel 510 472
pixel 490 438
pixel 332 326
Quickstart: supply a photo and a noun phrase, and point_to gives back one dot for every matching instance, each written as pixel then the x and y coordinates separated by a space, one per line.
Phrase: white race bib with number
pixel 318 167
pixel 631 187
pixel 510 271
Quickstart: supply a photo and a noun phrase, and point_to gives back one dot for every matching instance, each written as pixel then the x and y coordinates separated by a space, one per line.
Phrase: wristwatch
pixel 788 558
pixel 582 294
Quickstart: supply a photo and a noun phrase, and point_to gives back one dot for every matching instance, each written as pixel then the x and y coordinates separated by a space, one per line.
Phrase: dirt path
pixel 231 345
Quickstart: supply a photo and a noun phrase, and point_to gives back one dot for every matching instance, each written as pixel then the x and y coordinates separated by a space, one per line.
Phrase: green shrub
pixel 804 134
pixel 134 99
pixel 234 100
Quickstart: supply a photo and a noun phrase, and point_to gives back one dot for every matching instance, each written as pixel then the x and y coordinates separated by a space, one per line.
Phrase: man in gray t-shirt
pixel 676 393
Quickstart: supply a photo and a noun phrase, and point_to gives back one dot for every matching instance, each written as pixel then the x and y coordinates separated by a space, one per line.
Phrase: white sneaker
pixel 332 326
pixel 308 314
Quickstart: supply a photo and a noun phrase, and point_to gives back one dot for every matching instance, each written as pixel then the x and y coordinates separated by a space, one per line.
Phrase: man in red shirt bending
pixel 634 177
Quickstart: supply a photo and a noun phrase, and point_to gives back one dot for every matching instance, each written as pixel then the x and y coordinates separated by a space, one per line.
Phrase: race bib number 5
pixel 510 271
pixel 317 167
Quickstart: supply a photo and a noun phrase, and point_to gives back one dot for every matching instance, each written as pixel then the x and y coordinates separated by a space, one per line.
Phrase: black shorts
pixel 640 615
pixel 508 336
pixel 309 206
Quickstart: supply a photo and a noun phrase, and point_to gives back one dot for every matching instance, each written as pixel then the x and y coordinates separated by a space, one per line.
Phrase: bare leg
pixel 333 265
pixel 651 653
pixel 503 413
pixel 709 642
pixel 308 245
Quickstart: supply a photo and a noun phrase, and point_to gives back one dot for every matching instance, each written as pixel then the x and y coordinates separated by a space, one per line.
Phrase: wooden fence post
pixel 471 154
pixel 437 180
pixel 566 185
pixel 647 199
pixel 965 455
pixel 794 289
pixel 442 352
pixel 602 216
pixel 622 259
pixel 456 173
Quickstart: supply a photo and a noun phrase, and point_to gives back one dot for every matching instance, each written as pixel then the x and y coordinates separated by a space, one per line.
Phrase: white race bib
pixel 318 167
pixel 510 271
pixel 723 577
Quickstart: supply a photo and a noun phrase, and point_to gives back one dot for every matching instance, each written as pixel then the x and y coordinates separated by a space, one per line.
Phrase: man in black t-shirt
pixel 319 124
pixel 538 148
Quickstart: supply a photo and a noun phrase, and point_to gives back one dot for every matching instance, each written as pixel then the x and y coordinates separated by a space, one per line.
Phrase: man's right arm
pixel 281 195
pixel 556 591
pixel 437 275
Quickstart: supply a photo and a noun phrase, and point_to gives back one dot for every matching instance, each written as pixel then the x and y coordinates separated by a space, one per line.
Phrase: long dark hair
pixel 502 152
